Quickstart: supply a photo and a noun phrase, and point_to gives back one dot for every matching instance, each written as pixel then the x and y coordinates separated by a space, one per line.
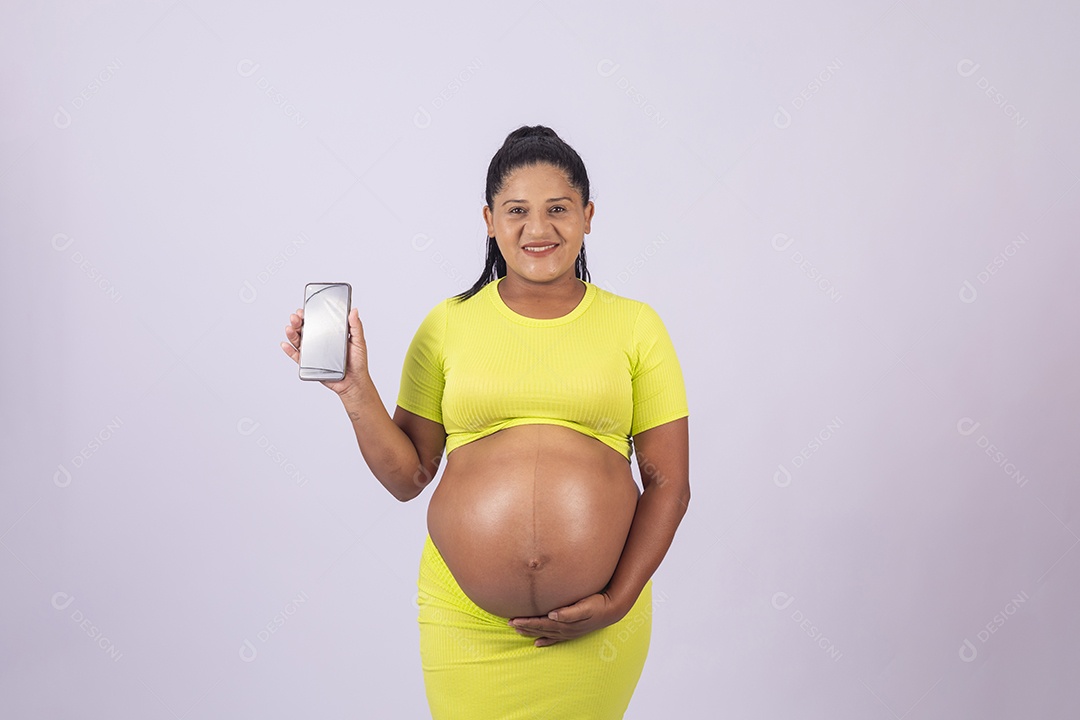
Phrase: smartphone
pixel 324 334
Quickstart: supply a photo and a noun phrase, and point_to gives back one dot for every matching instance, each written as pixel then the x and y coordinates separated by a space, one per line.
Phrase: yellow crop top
pixel 607 369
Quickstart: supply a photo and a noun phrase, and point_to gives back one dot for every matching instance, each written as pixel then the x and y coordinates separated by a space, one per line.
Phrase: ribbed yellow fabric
pixel 607 369
pixel 477 667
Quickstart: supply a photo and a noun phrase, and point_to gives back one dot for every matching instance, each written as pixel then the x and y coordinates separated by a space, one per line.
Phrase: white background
pixel 857 220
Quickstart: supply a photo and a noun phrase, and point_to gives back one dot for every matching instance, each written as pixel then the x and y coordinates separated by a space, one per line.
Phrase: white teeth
pixel 539 249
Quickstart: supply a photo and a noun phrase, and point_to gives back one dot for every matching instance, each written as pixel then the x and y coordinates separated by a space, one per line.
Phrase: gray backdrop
pixel 856 219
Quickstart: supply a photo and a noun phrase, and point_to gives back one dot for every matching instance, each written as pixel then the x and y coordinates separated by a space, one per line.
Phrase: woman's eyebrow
pixel 526 202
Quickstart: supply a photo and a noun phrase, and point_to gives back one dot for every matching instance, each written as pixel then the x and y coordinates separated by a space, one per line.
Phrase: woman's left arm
pixel 663 454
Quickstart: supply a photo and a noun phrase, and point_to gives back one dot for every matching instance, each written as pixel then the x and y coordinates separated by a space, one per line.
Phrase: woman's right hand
pixel 356 366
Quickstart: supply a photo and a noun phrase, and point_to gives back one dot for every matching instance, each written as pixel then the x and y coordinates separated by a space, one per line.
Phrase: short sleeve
pixel 422 377
pixel 656 377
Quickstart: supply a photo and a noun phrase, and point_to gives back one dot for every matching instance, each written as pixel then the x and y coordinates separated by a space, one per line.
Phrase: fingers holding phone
pixel 292 335
pixel 358 360
pixel 325 337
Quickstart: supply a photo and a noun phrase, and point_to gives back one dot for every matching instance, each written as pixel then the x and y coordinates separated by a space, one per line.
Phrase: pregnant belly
pixel 532 518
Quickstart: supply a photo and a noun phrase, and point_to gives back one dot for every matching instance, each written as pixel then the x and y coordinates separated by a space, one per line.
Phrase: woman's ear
pixel 589 209
pixel 489 221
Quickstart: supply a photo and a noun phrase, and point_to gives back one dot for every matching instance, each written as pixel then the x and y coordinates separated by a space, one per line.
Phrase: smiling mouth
pixel 538 248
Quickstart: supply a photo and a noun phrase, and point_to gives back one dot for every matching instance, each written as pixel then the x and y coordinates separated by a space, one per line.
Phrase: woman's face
pixel 536 207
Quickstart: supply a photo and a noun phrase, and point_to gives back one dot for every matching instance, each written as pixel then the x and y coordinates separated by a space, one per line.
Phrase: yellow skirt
pixel 477 667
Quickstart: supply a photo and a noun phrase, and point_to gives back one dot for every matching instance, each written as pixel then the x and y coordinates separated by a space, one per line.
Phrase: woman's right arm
pixel 403 453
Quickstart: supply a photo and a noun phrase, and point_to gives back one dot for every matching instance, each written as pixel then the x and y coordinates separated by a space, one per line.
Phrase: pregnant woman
pixel 535 589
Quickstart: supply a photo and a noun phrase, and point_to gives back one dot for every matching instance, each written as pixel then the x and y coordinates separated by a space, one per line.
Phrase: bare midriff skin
pixel 532 517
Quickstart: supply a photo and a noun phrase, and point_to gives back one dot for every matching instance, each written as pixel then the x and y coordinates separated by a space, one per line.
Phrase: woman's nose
pixel 537 226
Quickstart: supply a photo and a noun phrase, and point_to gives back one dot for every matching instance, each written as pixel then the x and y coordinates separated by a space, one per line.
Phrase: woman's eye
pixel 560 208
pixel 515 210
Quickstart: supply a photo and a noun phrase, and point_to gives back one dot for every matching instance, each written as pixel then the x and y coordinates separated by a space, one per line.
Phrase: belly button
pixel 536 563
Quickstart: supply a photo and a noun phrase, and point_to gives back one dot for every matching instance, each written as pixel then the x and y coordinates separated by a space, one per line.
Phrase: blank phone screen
pixel 325 334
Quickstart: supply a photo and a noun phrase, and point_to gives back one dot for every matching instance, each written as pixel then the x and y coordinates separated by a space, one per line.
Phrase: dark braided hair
pixel 523 147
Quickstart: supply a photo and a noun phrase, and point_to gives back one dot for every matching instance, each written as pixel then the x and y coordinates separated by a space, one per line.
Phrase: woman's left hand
pixel 566 623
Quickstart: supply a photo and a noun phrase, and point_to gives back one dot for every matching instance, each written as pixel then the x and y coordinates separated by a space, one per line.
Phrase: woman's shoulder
pixel 608 298
pixel 638 316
